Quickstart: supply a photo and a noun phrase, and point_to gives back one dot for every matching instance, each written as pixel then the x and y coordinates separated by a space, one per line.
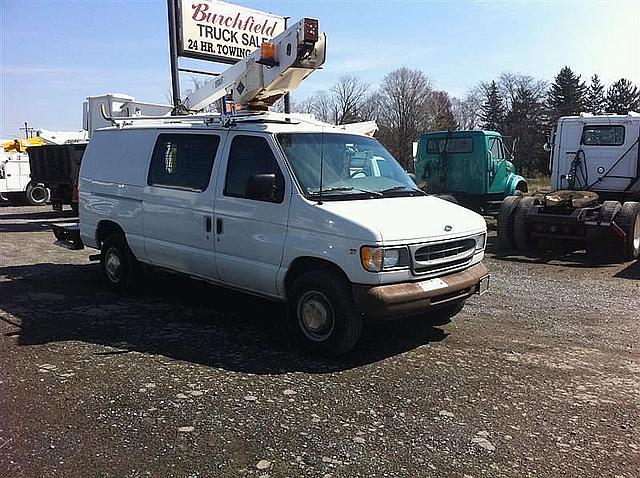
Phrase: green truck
pixel 473 167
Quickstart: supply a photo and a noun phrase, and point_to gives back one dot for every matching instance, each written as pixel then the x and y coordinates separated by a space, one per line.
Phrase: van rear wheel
pixel 119 266
pixel 321 314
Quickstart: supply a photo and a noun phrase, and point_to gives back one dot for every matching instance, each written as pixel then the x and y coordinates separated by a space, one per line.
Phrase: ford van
pixel 282 207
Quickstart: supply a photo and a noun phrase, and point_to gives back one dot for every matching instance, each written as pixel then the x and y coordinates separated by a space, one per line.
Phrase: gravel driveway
pixel 540 377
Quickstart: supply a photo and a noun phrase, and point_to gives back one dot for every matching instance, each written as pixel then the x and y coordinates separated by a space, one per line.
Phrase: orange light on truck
pixel 268 53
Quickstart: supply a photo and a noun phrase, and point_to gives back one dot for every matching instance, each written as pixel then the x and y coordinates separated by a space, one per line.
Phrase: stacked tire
pixel 628 219
pixel 513 231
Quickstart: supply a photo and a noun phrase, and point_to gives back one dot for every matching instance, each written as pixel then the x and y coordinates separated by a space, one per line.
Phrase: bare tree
pixel 371 108
pixel 348 96
pixel 278 106
pixel 465 113
pixel 405 100
pixel 442 117
pixel 511 83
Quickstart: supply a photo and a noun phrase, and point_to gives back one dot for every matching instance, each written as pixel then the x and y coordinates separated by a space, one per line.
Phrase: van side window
pixel 251 155
pixel 183 161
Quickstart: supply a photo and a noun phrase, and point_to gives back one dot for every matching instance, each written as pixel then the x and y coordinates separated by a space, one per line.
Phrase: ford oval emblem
pixel 447 228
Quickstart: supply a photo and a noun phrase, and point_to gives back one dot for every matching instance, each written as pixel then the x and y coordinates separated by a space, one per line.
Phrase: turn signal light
pixel 268 53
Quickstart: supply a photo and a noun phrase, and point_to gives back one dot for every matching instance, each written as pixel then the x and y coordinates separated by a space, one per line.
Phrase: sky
pixel 56 53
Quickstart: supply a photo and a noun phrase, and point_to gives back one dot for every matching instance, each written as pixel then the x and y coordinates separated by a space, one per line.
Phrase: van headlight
pixel 481 241
pixel 377 259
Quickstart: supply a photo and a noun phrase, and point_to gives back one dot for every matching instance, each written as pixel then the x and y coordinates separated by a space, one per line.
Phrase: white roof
pixel 268 122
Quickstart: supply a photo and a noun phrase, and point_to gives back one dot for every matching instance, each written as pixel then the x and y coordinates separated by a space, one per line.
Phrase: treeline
pixel 520 107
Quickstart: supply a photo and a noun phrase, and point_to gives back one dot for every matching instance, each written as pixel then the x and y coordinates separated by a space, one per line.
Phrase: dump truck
pixel 595 182
pixel 16 183
pixel 474 167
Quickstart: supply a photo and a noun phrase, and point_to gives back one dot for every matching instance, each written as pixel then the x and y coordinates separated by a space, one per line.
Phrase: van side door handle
pixel 207 224
pixel 218 226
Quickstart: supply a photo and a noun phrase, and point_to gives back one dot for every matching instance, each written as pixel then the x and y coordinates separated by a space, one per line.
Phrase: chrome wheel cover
pixel 315 316
pixel 113 265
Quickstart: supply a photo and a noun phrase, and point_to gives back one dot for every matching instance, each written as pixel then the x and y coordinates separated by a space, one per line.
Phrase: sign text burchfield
pixel 219 31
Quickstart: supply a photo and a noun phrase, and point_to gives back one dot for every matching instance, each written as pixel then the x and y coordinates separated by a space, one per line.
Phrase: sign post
pixel 216 31
pixel 175 75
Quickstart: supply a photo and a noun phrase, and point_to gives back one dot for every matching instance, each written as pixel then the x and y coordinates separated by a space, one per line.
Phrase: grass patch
pixel 539 185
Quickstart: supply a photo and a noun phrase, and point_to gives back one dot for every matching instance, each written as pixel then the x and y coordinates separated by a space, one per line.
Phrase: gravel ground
pixel 540 377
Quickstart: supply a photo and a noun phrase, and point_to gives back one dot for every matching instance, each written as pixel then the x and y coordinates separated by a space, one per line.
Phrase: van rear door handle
pixel 207 223
pixel 218 226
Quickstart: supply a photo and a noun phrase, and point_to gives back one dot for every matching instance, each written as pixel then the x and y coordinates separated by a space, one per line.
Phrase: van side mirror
pixel 264 187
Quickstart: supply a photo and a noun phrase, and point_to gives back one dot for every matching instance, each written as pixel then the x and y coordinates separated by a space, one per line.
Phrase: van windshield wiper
pixel 403 188
pixel 372 194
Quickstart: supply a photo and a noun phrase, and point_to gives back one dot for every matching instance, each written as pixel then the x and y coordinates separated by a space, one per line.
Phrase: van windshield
pixel 353 166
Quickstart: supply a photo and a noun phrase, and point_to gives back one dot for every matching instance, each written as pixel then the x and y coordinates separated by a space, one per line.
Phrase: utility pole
pixel 28 132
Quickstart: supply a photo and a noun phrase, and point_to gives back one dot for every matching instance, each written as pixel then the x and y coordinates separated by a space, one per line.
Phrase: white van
pixel 274 206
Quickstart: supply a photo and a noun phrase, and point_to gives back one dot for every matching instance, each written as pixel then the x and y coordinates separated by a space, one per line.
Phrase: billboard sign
pixel 223 32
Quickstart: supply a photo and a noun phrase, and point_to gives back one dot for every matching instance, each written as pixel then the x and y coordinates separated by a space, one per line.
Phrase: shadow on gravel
pixel 33 221
pixel 549 256
pixel 29 215
pixel 179 318
pixel 34 226
pixel 632 271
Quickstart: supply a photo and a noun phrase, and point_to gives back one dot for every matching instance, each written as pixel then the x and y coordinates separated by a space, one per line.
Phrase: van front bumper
pixel 412 298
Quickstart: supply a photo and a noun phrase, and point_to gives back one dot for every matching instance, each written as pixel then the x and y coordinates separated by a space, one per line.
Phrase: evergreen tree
pixel 525 122
pixel 596 100
pixel 567 95
pixel 493 110
pixel 622 97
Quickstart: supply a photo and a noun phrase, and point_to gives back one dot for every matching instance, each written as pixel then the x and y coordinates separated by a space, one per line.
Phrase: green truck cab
pixel 472 166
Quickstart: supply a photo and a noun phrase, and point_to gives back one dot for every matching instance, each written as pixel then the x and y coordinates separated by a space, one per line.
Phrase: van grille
pixel 442 255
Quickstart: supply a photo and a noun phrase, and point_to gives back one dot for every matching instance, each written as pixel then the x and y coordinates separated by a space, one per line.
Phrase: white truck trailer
pixel 595 182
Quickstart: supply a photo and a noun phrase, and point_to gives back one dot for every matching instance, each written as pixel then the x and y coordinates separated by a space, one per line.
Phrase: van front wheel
pixel 321 313
pixel 119 266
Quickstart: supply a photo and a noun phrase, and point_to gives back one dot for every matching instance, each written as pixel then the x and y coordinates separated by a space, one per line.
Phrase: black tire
pixel 119 266
pixel 521 189
pixel 629 221
pixel 37 194
pixel 521 233
pixel 321 314
pixel 506 215
pixel 602 243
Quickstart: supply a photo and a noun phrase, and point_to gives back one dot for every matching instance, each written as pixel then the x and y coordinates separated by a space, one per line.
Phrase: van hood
pixel 409 219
